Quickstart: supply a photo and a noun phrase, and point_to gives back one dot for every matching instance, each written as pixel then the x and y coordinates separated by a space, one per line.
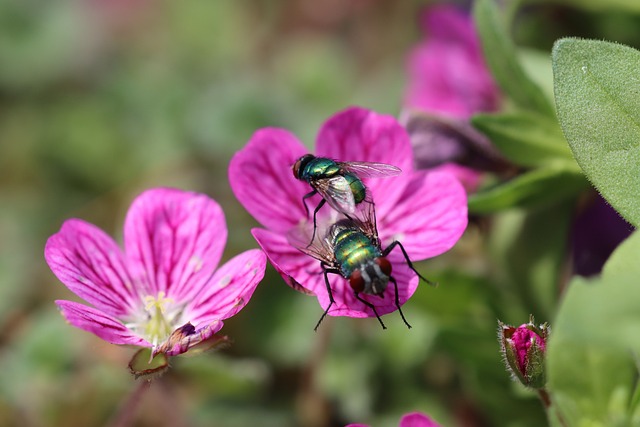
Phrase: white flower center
pixel 159 319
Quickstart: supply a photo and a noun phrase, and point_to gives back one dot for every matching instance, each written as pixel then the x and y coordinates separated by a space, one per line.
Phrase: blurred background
pixel 101 99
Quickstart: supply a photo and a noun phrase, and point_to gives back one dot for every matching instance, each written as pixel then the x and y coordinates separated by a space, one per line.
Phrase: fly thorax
pixel 320 168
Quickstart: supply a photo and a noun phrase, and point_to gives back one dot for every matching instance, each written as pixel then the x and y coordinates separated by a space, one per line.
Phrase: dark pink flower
pixel 447 71
pixel 163 291
pixel 412 419
pixel 426 212
pixel 448 82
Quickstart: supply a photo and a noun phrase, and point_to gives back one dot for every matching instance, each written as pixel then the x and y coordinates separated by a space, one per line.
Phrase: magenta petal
pixel 175 238
pixel 100 324
pixel 416 419
pixel 261 178
pixel 230 288
pixel 303 272
pixel 187 337
pixel 290 263
pixel 92 266
pixel 430 216
pixel 358 134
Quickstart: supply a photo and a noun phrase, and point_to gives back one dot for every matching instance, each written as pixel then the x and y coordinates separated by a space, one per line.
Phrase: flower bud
pixel 523 349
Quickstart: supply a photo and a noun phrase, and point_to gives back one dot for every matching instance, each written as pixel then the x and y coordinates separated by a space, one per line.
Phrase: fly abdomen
pixel 357 187
pixel 353 249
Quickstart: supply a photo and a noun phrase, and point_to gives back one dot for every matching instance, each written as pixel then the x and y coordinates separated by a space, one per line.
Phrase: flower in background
pixel 448 83
pixel 523 349
pixel 426 212
pixel 412 419
pixel 163 291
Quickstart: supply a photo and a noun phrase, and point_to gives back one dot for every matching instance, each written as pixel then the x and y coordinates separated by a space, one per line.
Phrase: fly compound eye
pixel 296 168
pixel 384 264
pixel 356 281
pixel 300 164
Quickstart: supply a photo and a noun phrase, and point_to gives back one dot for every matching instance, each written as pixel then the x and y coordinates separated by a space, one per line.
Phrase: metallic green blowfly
pixel 338 183
pixel 352 249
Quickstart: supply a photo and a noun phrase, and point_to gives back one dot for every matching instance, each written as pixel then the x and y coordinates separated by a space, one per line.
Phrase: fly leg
pixel 406 257
pixel 395 284
pixel 372 307
pixel 326 269
pixel 304 201
pixel 315 212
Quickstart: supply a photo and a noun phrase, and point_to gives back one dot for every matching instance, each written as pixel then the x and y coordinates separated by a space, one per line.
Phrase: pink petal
pixel 100 324
pixel 175 238
pixel 262 179
pixel 416 419
pixel 304 271
pixel 287 260
pixel 187 336
pixel 469 178
pixel 230 288
pixel 357 134
pixel 92 266
pixel 429 218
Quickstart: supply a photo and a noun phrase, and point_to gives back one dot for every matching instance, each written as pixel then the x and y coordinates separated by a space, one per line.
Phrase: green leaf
pixel 526 139
pixel 540 187
pixel 596 87
pixel 590 360
pixel 500 54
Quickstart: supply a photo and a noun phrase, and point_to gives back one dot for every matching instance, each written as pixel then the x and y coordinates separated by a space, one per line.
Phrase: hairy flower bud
pixel 523 349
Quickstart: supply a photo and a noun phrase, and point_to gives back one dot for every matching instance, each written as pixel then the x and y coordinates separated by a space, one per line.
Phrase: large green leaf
pixel 526 139
pixel 596 87
pixel 500 54
pixel 595 340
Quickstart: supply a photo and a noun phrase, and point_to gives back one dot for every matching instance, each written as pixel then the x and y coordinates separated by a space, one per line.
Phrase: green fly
pixel 338 183
pixel 352 249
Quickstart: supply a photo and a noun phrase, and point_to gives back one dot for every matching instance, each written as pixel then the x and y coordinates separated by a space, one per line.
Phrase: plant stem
pixel 547 403
pixel 128 408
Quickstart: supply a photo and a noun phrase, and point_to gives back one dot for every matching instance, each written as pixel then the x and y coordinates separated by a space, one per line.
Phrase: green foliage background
pixel 100 100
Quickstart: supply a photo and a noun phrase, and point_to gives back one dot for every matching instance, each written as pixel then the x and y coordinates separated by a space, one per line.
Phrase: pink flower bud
pixel 523 349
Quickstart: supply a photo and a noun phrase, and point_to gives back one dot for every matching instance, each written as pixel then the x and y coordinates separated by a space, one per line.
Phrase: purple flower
pixel 448 83
pixel 426 212
pixel 163 291
pixel 412 419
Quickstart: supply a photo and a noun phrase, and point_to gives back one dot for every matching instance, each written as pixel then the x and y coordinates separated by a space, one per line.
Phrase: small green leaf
pixel 501 57
pixel 539 187
pixel 596 87
pixel 526 139
pixel 144 365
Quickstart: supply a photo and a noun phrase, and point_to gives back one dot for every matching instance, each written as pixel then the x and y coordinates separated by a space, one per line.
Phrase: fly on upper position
pixel 351 248
pixel 339 183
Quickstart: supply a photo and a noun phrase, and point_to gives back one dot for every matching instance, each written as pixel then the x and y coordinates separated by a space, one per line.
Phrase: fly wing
pixel 365 219
pixel 370 169
pixel 337 192
pixel 320 248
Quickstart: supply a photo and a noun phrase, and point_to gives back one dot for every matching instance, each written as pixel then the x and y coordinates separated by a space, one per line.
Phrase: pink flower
pixel 426 212
pixel 448 83
pixel 447 72
pixel 163 291
pixel 413 419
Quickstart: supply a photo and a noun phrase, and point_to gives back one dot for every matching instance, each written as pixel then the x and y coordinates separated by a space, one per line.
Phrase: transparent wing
pixel 365 220
pixel 370 169
pixel 320 248
pixel 337 192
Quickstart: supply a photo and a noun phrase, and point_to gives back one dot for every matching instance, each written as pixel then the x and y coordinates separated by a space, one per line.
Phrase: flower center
pixel 158 326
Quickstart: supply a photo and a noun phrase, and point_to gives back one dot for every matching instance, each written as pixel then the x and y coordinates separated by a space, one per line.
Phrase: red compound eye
pixel 296 168
pixel 356 281
pixel 384 264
